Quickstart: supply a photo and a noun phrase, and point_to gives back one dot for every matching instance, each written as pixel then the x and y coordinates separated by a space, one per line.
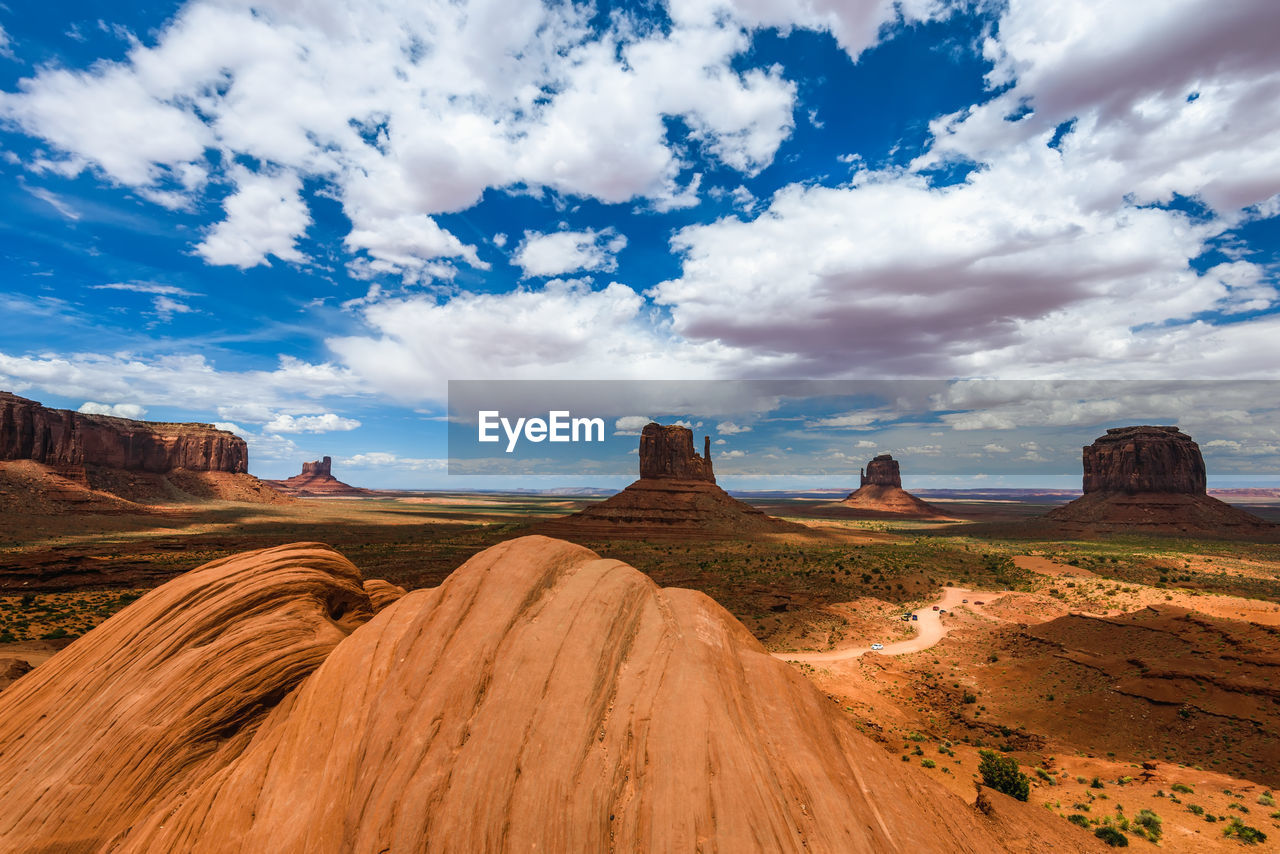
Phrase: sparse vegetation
pixel 1001 773
pixel 1112 836
pixel 1237 829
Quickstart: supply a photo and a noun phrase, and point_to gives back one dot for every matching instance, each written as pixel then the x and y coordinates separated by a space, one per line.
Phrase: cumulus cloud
pixel 119 410
pixel 326 422
pixel 402 111
pixel 569 252
pixel 728 428
pixel 630 425
pixel 381 459
pixel 264 216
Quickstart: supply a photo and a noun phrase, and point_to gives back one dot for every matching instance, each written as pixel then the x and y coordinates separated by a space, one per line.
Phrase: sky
pixel 301 219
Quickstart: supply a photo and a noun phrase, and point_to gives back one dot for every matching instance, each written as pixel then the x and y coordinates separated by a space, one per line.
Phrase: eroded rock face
pixel 667 452
pixel 882 471
pixel 1144 459
pixel 319 468
pixel 60 437
pixel 540 699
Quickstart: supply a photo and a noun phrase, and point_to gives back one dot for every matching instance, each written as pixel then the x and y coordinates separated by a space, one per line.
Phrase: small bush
pixel 1243 832
pixel 1001 773
pixel 1095 783
pixel 928 763
pixel 1184 788
pixel 1196 809
pixel 1148 824
pixel 1077 818
pixel 1112 837
pixel 1266 800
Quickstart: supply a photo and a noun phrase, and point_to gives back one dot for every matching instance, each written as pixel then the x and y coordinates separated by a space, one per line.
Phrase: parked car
pixel 964 601
pixel 978 602
pixel 915 616
pixel 942 610
pixel 935 607
pixel 906 617
pixel 877 646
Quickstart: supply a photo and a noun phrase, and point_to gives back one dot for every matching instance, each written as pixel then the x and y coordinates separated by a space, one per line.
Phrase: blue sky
pixel 304 223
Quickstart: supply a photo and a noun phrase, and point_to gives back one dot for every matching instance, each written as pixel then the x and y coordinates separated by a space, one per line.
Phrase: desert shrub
pixel 1196 809
pixel 1148 824
pixel 1046 776
pixel 1266 800
pixel 1095 783
pixel 1001 773
pixel 1184 788
pixel 1112 837
pixel 1077 818
pixel 1243 832
pixel 928 763
pixel 969 698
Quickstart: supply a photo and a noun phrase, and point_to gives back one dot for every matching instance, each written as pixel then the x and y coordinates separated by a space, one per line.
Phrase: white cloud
pixel 993 448
pixel 54 201
pixel 728 428
pixel 6 48
pixel 119 410
pixel 402 111
pixel 732 455
pixel 630 425
pixel 326 422
pixel 381 459
pixel 264 216
pixel 569 252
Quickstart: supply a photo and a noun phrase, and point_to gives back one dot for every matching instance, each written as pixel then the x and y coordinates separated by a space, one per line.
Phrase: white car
pixel 876 646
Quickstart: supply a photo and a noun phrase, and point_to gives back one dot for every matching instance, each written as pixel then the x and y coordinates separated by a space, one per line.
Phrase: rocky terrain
pixel 316 479
pixel 880 492
pixel 676 497
pixel 541 698
pixel 1149 479
pixel 56 460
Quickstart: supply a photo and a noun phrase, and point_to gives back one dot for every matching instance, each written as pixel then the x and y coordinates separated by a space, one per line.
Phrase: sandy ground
pixel 929 625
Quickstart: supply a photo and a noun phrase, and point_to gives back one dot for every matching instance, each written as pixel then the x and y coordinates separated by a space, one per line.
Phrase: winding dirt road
pixel 929 630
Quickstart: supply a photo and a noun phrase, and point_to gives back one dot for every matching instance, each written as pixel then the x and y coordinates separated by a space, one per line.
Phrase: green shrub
pixel 1077 818
pixel 1184 788
pixel 1243 832
pixel 1148 824
pixel 1266 800
pixel 928 763
pixel 1112 837
pixel 1001 773
pixel 1196 809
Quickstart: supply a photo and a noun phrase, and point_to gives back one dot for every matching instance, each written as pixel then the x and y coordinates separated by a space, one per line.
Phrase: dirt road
pixel 929 630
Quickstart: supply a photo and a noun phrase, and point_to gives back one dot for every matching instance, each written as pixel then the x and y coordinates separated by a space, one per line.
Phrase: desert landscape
pixel 681 668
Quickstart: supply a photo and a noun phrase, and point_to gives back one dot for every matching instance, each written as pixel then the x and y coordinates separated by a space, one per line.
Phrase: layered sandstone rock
pixel 540 699
pixel 666 453
pixel 1144 459
pixel 1150 479
pixel 881 493
pixel 60 437
pixel 881 471
pixel 676 497
pixel 316 480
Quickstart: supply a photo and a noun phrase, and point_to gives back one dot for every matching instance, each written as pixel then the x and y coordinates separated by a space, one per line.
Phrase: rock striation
pixel 1151 479
pixel 316 480
pixel 60 437
pixel 1144 459
pixel 540 699
pixel 881 471
pixel 676 497
pixel 666 453
pixel 880 494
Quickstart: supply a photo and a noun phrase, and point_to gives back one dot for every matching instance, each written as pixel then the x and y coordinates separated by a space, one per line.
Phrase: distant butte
pixel 880 493
pixel 1149 478
pixel 316 480
pixel 55 459
pixel 675 497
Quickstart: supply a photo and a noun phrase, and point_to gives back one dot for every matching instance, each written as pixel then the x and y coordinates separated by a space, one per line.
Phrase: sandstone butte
pixel 676 497
pixel 74 458
pixel 880 493
pixel 316 479
pixel 540 699
pixel 1150 478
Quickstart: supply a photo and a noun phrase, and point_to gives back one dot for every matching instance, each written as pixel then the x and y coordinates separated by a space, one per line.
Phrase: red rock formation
pixel 541 699
pixel 1150 479
pixel 667 453
pixel 60 437
pixel 881 471
pixel 316 480
pixel 1144 459
pixel 676 497
pixel 881 494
